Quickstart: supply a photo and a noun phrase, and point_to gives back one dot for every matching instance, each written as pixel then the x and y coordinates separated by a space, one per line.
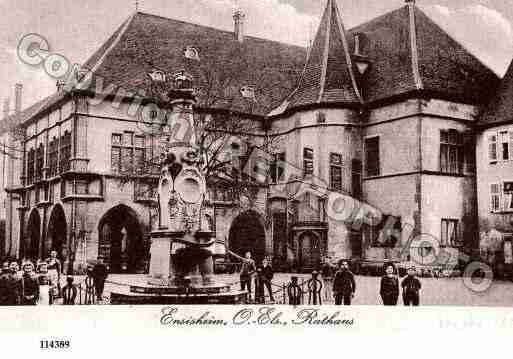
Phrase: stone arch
pixel 30 248
pixel 56 235
pixel 247 233
pixel 121 243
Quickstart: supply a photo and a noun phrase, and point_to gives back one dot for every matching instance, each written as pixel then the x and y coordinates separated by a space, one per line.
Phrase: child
pixel 411 287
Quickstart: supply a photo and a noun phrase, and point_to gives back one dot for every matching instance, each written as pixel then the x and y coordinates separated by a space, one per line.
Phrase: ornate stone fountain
pixel 181 265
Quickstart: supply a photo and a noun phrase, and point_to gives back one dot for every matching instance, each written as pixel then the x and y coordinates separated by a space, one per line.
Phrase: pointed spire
pixel 329 73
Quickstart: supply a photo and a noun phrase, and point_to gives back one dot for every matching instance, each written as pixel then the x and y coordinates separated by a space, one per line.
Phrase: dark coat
pixel 344 282
pixel 9 289
pixel 100 271
pixel 389 287
pixel 411 285
pixel 268 272
pixel 30 290
pixel 327 271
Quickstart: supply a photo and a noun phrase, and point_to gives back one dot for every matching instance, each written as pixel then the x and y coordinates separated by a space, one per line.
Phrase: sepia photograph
pixel 266 152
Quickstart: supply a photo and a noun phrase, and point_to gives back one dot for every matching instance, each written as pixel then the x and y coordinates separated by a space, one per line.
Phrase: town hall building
pixel 388 113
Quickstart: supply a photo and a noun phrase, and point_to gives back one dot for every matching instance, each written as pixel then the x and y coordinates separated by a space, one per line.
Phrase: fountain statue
pixel 182 247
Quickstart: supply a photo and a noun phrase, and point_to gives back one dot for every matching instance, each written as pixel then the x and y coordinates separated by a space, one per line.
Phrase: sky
pixel 76 29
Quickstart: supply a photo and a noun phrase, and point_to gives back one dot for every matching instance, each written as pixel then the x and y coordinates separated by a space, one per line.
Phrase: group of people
pixel 30 284
pixel 40 284
pixel 343 285
pixel 338 282
pixel 263 273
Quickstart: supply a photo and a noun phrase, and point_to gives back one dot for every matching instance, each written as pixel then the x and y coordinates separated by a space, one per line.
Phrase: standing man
pixel 246 273
pixel 100 274
pixel 389 287
pixel 344 286
pixel 411 287
pixel 8 286
pixel 268 274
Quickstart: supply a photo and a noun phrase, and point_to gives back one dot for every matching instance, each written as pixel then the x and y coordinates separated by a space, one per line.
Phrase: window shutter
pixel 492 148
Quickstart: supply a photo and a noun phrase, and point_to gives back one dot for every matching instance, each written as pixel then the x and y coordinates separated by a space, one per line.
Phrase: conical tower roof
pixel 329 73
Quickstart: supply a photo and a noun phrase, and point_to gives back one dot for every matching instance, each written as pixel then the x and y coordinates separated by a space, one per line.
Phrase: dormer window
pixel 157 76
pixel 360 52
pixel 191 53
pixel 182 80
pixel 248 92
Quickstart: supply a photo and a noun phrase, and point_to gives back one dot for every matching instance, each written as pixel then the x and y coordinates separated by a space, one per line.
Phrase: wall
pixel 491 225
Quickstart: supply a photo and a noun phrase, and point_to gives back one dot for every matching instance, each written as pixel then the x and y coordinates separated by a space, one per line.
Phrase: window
pixel 65 152
pixel 449 235
pixel 308 161
pixel 508 196
pixel 157 76
pixel 492 148
pixel 191 53
pixel 356 178
pixel 278 167
pixel 451 152
pixel 40 162
pixel 495 194
pixel 505 145
pixel 322 209
pixel 500 146
pixel 501 197
pixel 128 153
pixel 115 153
pixel 53 157
pixel 372 165
pixel 321 117
pixel 31 157
pixel 336 172
pixel 248 92
pixel 139 154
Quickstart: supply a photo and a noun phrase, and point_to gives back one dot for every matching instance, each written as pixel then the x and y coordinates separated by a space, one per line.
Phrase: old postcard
pixel 263 163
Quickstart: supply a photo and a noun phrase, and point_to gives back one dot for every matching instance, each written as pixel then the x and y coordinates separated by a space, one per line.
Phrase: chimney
pixel 238 18
pixel 17 98
pixel 6 108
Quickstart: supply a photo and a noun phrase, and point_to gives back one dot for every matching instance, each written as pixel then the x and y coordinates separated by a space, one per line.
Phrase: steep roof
pixel 499 109
pixel 25 115
pixel 148 42
pixel 409 52
pixel 329 74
